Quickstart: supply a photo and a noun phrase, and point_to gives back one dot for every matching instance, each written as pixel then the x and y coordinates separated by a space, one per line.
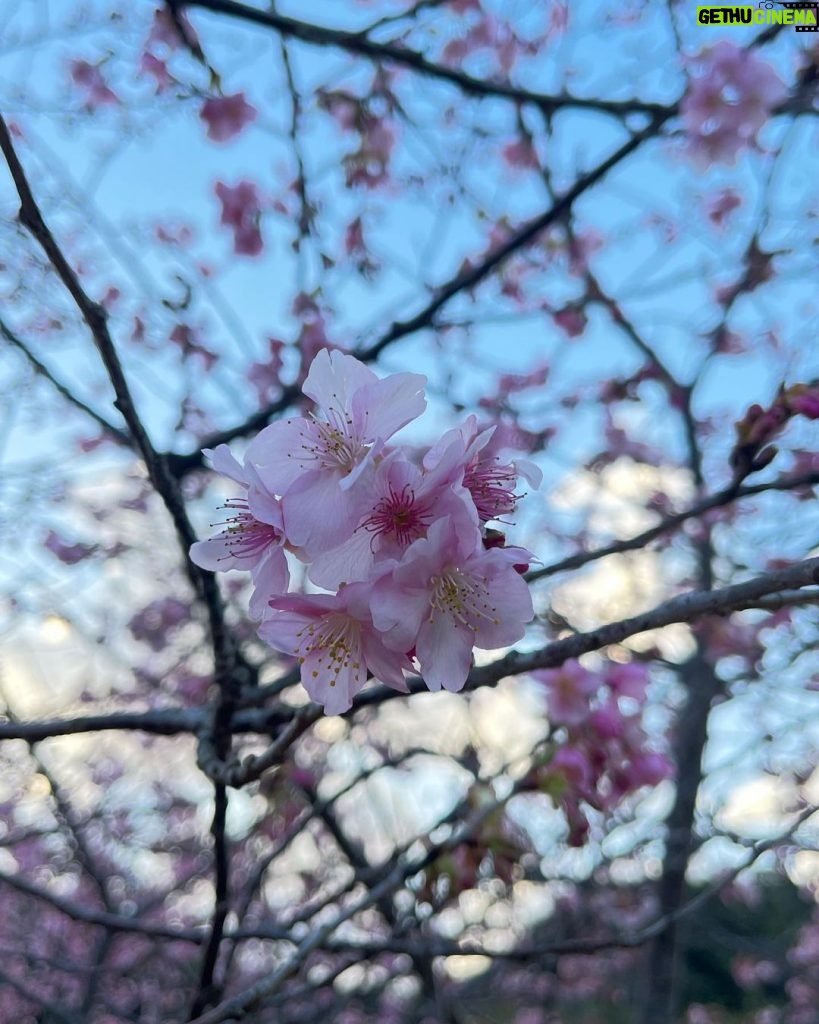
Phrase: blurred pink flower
pixel 569 692
pixel 154 622
pixel 226 116
pixel 628 680
pixel 731 93
pixel 68 554
pixel 89 78
pixel 241 211
pixel 721 205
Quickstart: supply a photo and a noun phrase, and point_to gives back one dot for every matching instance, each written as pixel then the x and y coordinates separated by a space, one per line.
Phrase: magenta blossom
pixel 570 689
pixel 241 212
pixel 68 553
pixel 449 594
pixel 648 768
pixel 398 533
pixel 803 399
pixel 165 30
pixel 314 462
pixel 488 477
pixel 576 769
pixel 336 644
pixel 89 78
pixel 607 720
pixel 731 93
pixel 252 538
pixel 226 116
pixel 628 679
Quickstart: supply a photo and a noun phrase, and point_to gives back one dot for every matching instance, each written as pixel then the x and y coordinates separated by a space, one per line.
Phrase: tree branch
pixel 97 320
pixel 181 465
pixel 42 370
pixel 160 723
pixel 360 44
pixel 671 523
pixel 113 922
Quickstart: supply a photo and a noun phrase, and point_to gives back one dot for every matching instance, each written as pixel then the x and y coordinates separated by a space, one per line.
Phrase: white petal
pixel 387 405
pixel 333 379
pixel 224 462
pixel 279 455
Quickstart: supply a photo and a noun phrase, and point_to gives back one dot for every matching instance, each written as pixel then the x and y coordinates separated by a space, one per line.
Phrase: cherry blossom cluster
pixel 606 754
pixel 731 94
pixel 396 538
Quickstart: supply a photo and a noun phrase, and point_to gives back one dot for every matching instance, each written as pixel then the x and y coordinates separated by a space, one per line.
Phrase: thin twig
pixel 465 280
pixel 360 44
pixel 672 522
pixel 115 433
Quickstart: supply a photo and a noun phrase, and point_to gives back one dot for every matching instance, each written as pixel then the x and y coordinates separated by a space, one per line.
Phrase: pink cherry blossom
pixel 253 536
pixel 226 116
pixel 369 165
pixel 803 399
pixel 448 595
pixel 188 338
pixel 341 105
pixel 569 692
pixel 400 535
pixel 571 319
pixel 628 680
pixel 722 205
pixel 521 155
pixel 399 502
pixel 336 644
pixel 265 376
pixel 648 768
pixel 68 553
pixel 731 93
pixel 354 244
pixel 490 480
pixel 314 463
pixel 165 29
pixel 312 339
pixel 157 68
pixel 241 210
pixel 154 622
pixel 89 78
pixel 573 764
pixel 607 721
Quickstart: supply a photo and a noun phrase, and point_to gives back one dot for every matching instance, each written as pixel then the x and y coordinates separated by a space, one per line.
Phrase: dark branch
pixel 113 922
pixel 182 464
pixel 671 523
pixel 159 723
pixel 97 320
pixel 360 44
pixel 116 433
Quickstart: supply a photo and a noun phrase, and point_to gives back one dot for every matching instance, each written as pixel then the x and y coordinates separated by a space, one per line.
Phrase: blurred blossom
pixel 226 116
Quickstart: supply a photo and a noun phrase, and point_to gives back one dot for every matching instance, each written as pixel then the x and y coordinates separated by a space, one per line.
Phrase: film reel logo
pixel 814 6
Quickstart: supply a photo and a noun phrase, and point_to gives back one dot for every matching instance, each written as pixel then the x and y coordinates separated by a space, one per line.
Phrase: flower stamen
pixel 398 515
pixel 492 486
pixel 245 536
pixel 463 597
